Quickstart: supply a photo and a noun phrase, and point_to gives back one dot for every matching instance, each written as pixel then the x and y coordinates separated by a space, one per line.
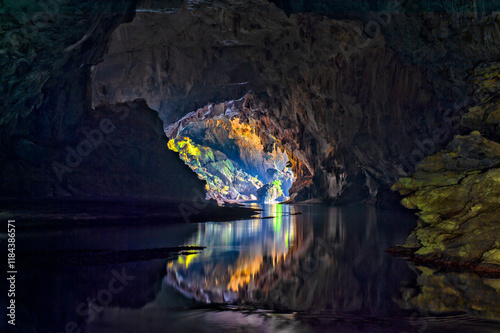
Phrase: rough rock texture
pixel 119 151
pixel 228 145
pixel 225 181
pixel 46 50
pixel 355 104
pixel 486 116
pixel 458 194
pixel 270 193
pixel 353 90
pixel 457 190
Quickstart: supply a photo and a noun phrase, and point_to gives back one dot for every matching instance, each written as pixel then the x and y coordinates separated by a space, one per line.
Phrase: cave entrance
pixel 227 145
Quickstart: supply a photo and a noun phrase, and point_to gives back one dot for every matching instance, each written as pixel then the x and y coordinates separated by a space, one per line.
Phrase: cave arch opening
pixel 227 145
pixel 148 59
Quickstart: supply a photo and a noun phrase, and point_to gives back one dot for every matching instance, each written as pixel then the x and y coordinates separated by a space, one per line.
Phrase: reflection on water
pixel 327 258
pixel 326 266
pixel 438 293
pixel 330 262
pixel 235 253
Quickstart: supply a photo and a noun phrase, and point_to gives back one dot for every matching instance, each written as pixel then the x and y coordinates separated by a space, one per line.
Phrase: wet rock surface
pixel 457 190
pixel 226 145
pixel 351 89
pixel 354 105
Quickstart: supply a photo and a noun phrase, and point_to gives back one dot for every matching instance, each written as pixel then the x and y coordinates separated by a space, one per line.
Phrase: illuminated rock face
pixel 457 190
pixel 351 106
pixel 352 109
pixel 224 180
pixel 226 146
pixel 270 192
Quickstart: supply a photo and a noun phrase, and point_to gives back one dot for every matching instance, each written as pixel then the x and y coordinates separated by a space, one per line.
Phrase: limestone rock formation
pixel 224 180
pixel 47 48
pixel 350 89
pixel 352 104
pixel 46 51
pixel 270 193
pixel 457 190
pixel 226 145
pixel 486 116
pixel 119 151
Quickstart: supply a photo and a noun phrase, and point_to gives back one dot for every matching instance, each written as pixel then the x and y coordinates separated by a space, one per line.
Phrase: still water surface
pixel 322 270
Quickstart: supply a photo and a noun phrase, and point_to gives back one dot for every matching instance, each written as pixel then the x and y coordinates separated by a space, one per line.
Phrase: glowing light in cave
pixel 233 178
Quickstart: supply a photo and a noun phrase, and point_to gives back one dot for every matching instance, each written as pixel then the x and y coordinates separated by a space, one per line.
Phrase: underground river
pixel 295 268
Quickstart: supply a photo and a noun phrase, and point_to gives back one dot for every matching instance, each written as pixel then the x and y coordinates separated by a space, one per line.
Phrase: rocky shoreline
pixel 457 190
pixel 446 264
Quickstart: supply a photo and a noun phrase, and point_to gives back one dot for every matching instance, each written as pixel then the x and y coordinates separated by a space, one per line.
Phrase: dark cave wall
pixel 355 109
pixel 119 153
pixel 46 115
pixel 352 105
pixel 47 49
pixel 360 8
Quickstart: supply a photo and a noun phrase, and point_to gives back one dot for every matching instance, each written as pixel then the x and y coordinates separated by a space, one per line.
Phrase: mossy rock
pixel 457 193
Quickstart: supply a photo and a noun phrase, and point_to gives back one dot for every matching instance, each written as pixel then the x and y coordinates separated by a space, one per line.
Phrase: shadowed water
pixel 324 269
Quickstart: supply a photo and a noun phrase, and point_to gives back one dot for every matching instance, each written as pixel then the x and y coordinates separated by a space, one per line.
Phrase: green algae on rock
pixel 457 193
pixel 457 190
pixel 223 144
pixel 223 178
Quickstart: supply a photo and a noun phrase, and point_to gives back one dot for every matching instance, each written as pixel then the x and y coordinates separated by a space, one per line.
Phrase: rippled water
pixel 324 269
